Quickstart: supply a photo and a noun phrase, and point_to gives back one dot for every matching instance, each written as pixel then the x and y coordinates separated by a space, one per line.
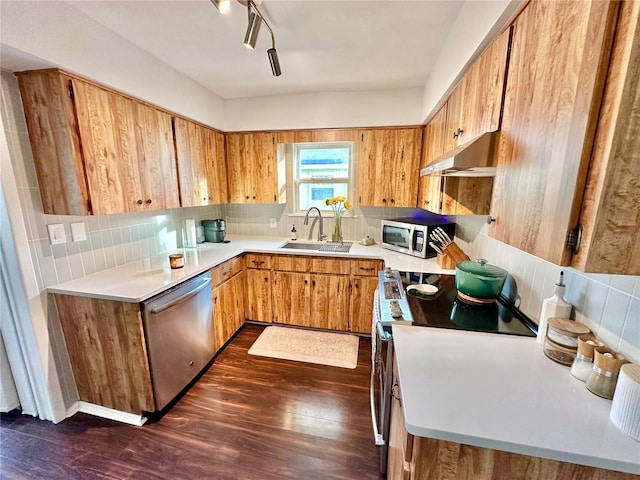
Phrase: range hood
pixel 473 159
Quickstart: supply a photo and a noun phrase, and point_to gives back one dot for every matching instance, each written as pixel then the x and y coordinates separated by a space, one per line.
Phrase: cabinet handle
pixel 367 269
pixel 139 202
pixel 204 198
pixel 148 202
pixel 384 200
pixel 306 281
pixel 256 262
pixel 426 202
pixel 254 197
pixel 393 200
pixel 226 273
pixel 313 283
pixel 247 197
pixel 457 133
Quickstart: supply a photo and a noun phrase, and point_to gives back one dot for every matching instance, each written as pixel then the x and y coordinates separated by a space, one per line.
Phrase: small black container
pixel 214 230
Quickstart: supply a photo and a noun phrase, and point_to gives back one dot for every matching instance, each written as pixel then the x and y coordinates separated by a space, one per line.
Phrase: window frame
pixel 297 181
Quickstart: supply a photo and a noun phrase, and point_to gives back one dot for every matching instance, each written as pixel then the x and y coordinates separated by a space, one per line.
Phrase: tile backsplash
pixel 608 304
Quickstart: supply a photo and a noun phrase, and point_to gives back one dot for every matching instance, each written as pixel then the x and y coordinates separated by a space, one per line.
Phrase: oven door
pixel 381 383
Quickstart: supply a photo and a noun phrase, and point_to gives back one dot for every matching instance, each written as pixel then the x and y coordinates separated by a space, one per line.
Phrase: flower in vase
pixel 340 205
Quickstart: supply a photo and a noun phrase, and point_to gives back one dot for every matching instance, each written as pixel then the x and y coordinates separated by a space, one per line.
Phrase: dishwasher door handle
pixel 181 298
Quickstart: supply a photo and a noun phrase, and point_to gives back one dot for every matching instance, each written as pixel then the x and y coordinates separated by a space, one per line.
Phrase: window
pixel 322 170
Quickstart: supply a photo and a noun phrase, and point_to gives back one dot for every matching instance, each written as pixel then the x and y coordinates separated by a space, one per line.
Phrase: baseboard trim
pixel 104 412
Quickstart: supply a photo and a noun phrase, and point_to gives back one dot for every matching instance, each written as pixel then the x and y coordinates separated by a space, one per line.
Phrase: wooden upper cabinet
pixel 201 164
pixel 330 135
pixel 388 166
pixel 559 59
pixel 97 151
pixel 255 168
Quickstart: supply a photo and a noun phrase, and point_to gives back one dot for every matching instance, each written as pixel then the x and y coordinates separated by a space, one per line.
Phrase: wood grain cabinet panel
pixel 106 345
pixel 255 167
pixel 388 167
pixel 311 264
pixel 258 304
pixel 228 308
pixel 361 303
pixel 326 135
pixel 366 267
pixel 226 270
pixel 113 154
pixel 201 164
pixel 548 123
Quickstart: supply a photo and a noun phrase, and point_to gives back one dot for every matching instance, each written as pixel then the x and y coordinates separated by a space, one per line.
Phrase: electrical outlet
pixel 56 233
pixel 78 232
pixel 272 223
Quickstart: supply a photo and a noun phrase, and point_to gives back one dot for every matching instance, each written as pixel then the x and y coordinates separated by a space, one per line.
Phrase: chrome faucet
pixel 321 235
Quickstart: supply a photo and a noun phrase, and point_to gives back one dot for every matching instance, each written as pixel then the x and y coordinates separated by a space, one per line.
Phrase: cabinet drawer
pixel 366 268
pixel 308 264
pixel 257 260
pixel 226 270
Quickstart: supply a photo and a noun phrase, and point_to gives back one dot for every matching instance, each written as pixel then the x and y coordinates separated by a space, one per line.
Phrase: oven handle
pixel 374 418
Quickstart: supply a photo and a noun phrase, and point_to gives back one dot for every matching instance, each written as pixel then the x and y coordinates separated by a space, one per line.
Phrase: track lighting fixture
pixel 251 37
pixel 222 5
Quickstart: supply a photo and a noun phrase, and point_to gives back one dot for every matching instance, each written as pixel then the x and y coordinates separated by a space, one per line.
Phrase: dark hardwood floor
pixel 247 417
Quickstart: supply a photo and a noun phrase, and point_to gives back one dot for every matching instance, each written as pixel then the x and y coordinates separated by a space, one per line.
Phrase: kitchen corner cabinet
pixel 106 344
pixel 258 282
pixel 97 151
pixel 201 164
pixel 553 96
pixel 255 167
pixel 420 458
pixel 388 166
pixel 228 300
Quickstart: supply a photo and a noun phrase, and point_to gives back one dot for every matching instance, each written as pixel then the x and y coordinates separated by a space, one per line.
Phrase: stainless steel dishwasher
pixel 178 327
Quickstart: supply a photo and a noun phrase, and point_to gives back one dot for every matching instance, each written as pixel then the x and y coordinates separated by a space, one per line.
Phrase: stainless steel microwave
pixel 411 235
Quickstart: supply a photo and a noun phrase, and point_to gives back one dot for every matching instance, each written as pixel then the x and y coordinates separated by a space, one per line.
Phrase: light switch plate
pixel 56 233
pixel 78 232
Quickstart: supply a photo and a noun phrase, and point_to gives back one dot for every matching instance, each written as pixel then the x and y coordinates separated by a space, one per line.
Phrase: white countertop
pixel 501 392
pixel 142 279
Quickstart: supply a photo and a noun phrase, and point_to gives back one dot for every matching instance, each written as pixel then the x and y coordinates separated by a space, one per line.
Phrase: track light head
pixel 222 5
pixel 251 37
pixel 275 63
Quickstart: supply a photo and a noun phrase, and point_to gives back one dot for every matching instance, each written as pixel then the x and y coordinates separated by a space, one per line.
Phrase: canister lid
pixel 587 343
pixel 568 327
pixel 608 360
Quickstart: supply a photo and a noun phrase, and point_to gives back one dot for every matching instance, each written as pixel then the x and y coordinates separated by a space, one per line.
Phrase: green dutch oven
pixel 480 279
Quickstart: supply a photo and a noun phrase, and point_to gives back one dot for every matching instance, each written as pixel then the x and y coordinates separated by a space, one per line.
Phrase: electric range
pixel 444 309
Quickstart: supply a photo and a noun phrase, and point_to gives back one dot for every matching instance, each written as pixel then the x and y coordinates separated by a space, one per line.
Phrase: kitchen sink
pixel 302 246
pixel 322 247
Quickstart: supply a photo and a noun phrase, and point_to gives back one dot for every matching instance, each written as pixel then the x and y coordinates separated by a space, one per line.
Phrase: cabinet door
pixel 258 297
pixel 430 193
pixel 388 161
pixel 483 90
pixel 548 122
pixel 434 137
pixel 156 157
pixel 329 302
pixel 216 166
pixel 52 125
pixel 453 122
pixel 228 309
pixel 192 166
pixel 106 127
pixel 291 298
pixel 255 170
pixel 361 303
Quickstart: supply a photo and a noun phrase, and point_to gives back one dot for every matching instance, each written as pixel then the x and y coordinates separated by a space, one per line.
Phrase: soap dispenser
pixel 294 232
pixel 554 306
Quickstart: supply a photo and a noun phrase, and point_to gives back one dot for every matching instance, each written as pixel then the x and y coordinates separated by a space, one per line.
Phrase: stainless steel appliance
pixel 178 327
pixel 396 302
pixel 411 235
pixel 214 230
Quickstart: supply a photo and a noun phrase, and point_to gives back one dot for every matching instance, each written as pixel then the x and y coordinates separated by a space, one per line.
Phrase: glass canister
pixel 582 365
pixel 603 377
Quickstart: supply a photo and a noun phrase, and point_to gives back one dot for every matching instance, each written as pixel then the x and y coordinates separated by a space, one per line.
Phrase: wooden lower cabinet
pixel 106 345
pixel 228 308
pixel 311 300
pixel 361 304
pixel 420 458
pixel 258 295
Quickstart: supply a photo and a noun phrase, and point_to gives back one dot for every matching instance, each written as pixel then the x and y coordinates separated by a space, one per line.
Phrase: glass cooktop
pixel 444 309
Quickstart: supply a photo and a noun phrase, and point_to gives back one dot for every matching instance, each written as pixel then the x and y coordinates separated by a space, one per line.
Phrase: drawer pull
pixel 367 269
pixel 256 262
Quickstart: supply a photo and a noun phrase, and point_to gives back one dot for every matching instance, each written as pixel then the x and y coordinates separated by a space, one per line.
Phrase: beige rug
pixel 311 346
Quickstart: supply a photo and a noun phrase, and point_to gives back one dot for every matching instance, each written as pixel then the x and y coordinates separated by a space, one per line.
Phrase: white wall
pixel 61 36
pixel 325 110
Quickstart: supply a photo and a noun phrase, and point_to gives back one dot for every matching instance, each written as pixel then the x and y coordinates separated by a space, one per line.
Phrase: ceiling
pixel 323 46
